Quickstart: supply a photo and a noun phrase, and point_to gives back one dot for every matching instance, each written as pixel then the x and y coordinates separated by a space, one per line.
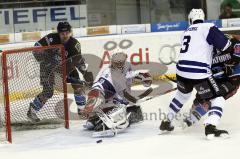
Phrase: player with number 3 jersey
pixel 194 71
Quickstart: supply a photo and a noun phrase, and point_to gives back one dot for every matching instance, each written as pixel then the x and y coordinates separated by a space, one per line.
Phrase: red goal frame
pixel 6 88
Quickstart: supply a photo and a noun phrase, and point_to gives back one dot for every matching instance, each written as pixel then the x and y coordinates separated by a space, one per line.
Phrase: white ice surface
pixel 139 141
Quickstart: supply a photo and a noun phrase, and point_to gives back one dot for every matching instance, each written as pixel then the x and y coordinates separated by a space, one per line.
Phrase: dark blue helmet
pixel 64 26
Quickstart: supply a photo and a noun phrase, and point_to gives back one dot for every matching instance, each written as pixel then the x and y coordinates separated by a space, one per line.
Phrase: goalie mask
pixel 118 60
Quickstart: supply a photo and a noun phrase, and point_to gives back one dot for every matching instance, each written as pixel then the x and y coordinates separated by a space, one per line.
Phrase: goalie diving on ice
pixel 110 107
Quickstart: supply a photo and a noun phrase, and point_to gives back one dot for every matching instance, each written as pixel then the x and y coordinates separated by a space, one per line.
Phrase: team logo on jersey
pixel 237 49
pixel 78 47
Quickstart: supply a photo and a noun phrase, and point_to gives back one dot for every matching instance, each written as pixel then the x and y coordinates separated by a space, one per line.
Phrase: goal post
pixel 28 73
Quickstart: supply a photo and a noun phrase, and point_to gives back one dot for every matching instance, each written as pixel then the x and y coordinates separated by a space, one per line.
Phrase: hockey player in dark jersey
pixel 49 61
pixel 226 71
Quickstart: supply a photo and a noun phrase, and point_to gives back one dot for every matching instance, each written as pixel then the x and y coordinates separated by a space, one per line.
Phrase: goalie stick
pixel 146 93
pixel 159 94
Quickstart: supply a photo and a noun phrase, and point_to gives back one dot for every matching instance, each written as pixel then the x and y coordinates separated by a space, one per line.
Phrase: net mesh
pixel 34 74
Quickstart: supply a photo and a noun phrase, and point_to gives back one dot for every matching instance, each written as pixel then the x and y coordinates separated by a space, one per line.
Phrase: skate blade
pixel 222 136
pixel 210 137
pixel 164 132
pixel 225 136
pixel 184 126
pixel 34 121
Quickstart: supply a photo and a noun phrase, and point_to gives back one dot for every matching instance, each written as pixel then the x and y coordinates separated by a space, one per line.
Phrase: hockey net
pixel 21 83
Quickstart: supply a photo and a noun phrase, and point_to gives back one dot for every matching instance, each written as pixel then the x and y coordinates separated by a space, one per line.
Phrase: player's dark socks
pixel 31 114
pixel 211 130
pixel 166 126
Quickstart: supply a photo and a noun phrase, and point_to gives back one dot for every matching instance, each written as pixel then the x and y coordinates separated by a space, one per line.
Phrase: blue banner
pixel 178 26
pixel 217 23
pixel 169 26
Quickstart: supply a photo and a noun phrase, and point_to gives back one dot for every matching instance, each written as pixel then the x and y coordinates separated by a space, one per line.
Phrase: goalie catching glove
pixel 145 79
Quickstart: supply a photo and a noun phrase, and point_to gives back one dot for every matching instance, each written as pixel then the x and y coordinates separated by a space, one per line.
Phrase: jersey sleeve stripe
pixel 193 63
pixel 192 70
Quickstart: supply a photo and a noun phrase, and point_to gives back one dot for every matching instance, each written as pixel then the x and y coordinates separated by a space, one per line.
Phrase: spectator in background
pixel 235 4
pixel 161 10
pixel 227 12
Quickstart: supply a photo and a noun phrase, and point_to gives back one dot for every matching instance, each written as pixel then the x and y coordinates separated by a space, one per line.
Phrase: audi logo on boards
pixel 124 44
pixel 168 54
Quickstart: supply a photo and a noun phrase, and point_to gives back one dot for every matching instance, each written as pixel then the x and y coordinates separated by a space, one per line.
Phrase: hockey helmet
pixel 196 14
pixel 64 26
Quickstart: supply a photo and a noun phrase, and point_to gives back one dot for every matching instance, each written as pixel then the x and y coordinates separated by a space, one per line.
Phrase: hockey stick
pixel 159 94
pixel 170 79
pixel 146 93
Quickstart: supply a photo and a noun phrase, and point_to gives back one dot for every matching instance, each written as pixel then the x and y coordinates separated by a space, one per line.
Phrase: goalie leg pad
pixel 117 118
pixel 95 100
pixel 108 124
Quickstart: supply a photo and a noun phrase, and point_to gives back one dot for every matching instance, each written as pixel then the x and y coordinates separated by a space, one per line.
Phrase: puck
pixel 98 141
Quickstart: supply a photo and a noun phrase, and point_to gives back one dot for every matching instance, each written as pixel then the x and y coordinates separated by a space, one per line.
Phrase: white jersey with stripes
pixel 195 57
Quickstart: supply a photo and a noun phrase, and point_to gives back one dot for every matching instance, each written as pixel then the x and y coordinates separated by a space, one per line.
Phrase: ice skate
pixel 32 114
pixel 211 131
pixel 166 127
